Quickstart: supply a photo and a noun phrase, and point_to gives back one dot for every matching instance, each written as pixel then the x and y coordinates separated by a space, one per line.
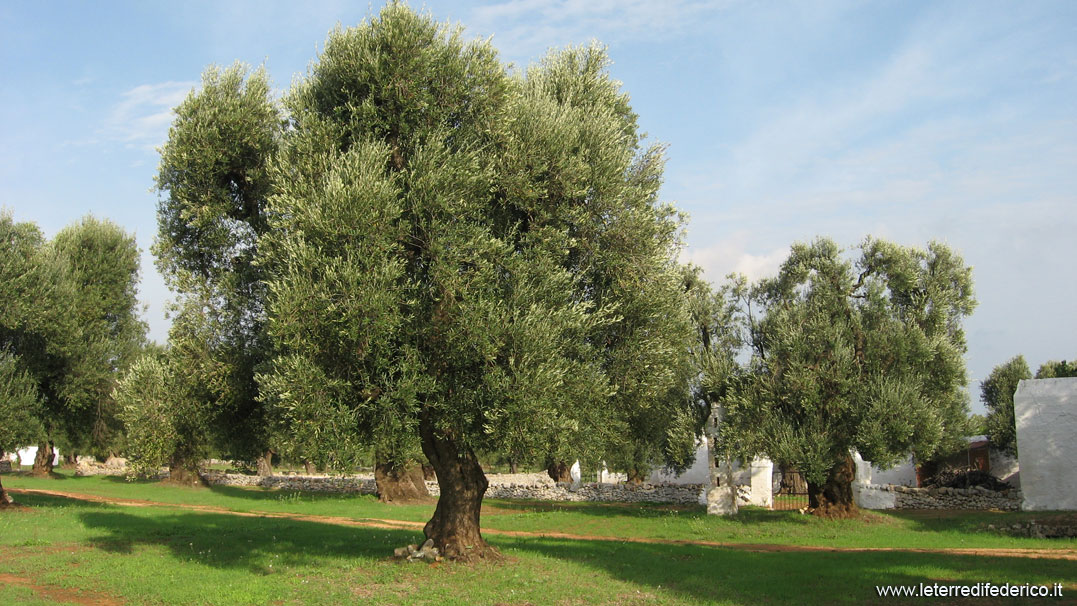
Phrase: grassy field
pixel 61 550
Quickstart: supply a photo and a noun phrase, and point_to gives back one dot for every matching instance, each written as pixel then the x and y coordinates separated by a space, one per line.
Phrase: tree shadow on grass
pixel 987 523
pixel 705 574
pixel 36 501
pixel 253 543
pixel 263 494
pixel 127 480
pixel 696 573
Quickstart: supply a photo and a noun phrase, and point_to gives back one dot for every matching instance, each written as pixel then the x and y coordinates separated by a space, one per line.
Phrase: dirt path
pixel 61 595
pixel 1057 554
pixel 55 593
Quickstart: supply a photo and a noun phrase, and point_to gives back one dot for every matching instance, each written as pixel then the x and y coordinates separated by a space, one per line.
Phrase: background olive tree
pixel 865 356
pixel 214 182
pixel 69 326
pixel 102 262
pixel 20 410
pixel 997 390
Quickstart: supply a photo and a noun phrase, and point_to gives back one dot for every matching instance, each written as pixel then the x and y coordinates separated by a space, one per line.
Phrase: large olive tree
pixel 471 261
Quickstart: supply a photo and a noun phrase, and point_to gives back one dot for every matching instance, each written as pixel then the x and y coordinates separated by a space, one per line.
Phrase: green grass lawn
pixel 166 555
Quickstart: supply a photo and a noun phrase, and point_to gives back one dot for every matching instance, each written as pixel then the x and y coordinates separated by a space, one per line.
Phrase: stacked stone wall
pixel 540 487
pixel 680 494
pixel 502 486
pixel 975 498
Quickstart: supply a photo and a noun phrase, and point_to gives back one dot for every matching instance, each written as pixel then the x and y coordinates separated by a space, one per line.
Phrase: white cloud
pixel 144 113
pixel 526 28
pixel 731 255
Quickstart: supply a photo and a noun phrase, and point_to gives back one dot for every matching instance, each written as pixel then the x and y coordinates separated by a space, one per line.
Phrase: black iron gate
pixel 792 493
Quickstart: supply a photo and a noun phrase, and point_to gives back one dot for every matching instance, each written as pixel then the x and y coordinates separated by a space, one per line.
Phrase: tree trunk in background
pixel 454 528
pixel 428 473
pixel 400 485
pixel 513 467
pixel 308 467
pixel 635 476
pixel 265 464
pixel 183 471
pixel 792 481
pixel 559 471
pixel 43 461
pixel 834 499
pixel 5 498
pixel 71 460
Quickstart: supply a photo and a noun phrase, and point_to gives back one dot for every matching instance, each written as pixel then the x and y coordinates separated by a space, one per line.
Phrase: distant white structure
pixel 28 454
pixel 605 476
pixel 698 473
pixel 865 494
pixel 574 473
pixel 902 474
pixel 731 483
pixel 1045 411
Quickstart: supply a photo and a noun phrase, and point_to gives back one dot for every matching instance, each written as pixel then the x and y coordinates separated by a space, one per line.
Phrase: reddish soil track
pixel 1056 554
pixel 61 595
pixel 54 593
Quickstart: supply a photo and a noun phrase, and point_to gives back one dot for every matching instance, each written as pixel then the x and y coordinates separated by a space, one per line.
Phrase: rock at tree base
pixel 412 553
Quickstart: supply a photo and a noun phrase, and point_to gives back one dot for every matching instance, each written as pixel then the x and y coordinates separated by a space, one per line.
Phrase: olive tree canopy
pixel 865 356
pixel 471 261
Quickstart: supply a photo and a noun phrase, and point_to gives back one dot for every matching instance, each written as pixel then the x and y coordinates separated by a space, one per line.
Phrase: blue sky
pixel 785 121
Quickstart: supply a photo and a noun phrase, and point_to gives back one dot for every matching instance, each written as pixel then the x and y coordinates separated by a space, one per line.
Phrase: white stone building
pixel 1045 411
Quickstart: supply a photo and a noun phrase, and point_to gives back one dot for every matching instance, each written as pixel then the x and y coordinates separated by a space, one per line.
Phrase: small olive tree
pixel 865 356
pixel 20 410
pixel 102 263
pixel 996 392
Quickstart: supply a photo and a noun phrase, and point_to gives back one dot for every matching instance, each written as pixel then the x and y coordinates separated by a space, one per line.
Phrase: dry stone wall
pixel 502 486
pixel 905 497
pixel 680 494
pixel 341 484
pixel 540 487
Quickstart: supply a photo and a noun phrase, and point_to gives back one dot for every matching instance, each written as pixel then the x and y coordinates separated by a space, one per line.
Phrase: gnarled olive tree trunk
pixel 454 528
pixel 636 475
pixel 400 484
pixel 183 471
pixel 559 471
pixel 43 461
pixel 834 498
pixel 265 464
pixel 5 498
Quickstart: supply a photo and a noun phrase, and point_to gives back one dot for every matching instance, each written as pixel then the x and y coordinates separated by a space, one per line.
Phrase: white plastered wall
pixel 1045 411
pixel 902 474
